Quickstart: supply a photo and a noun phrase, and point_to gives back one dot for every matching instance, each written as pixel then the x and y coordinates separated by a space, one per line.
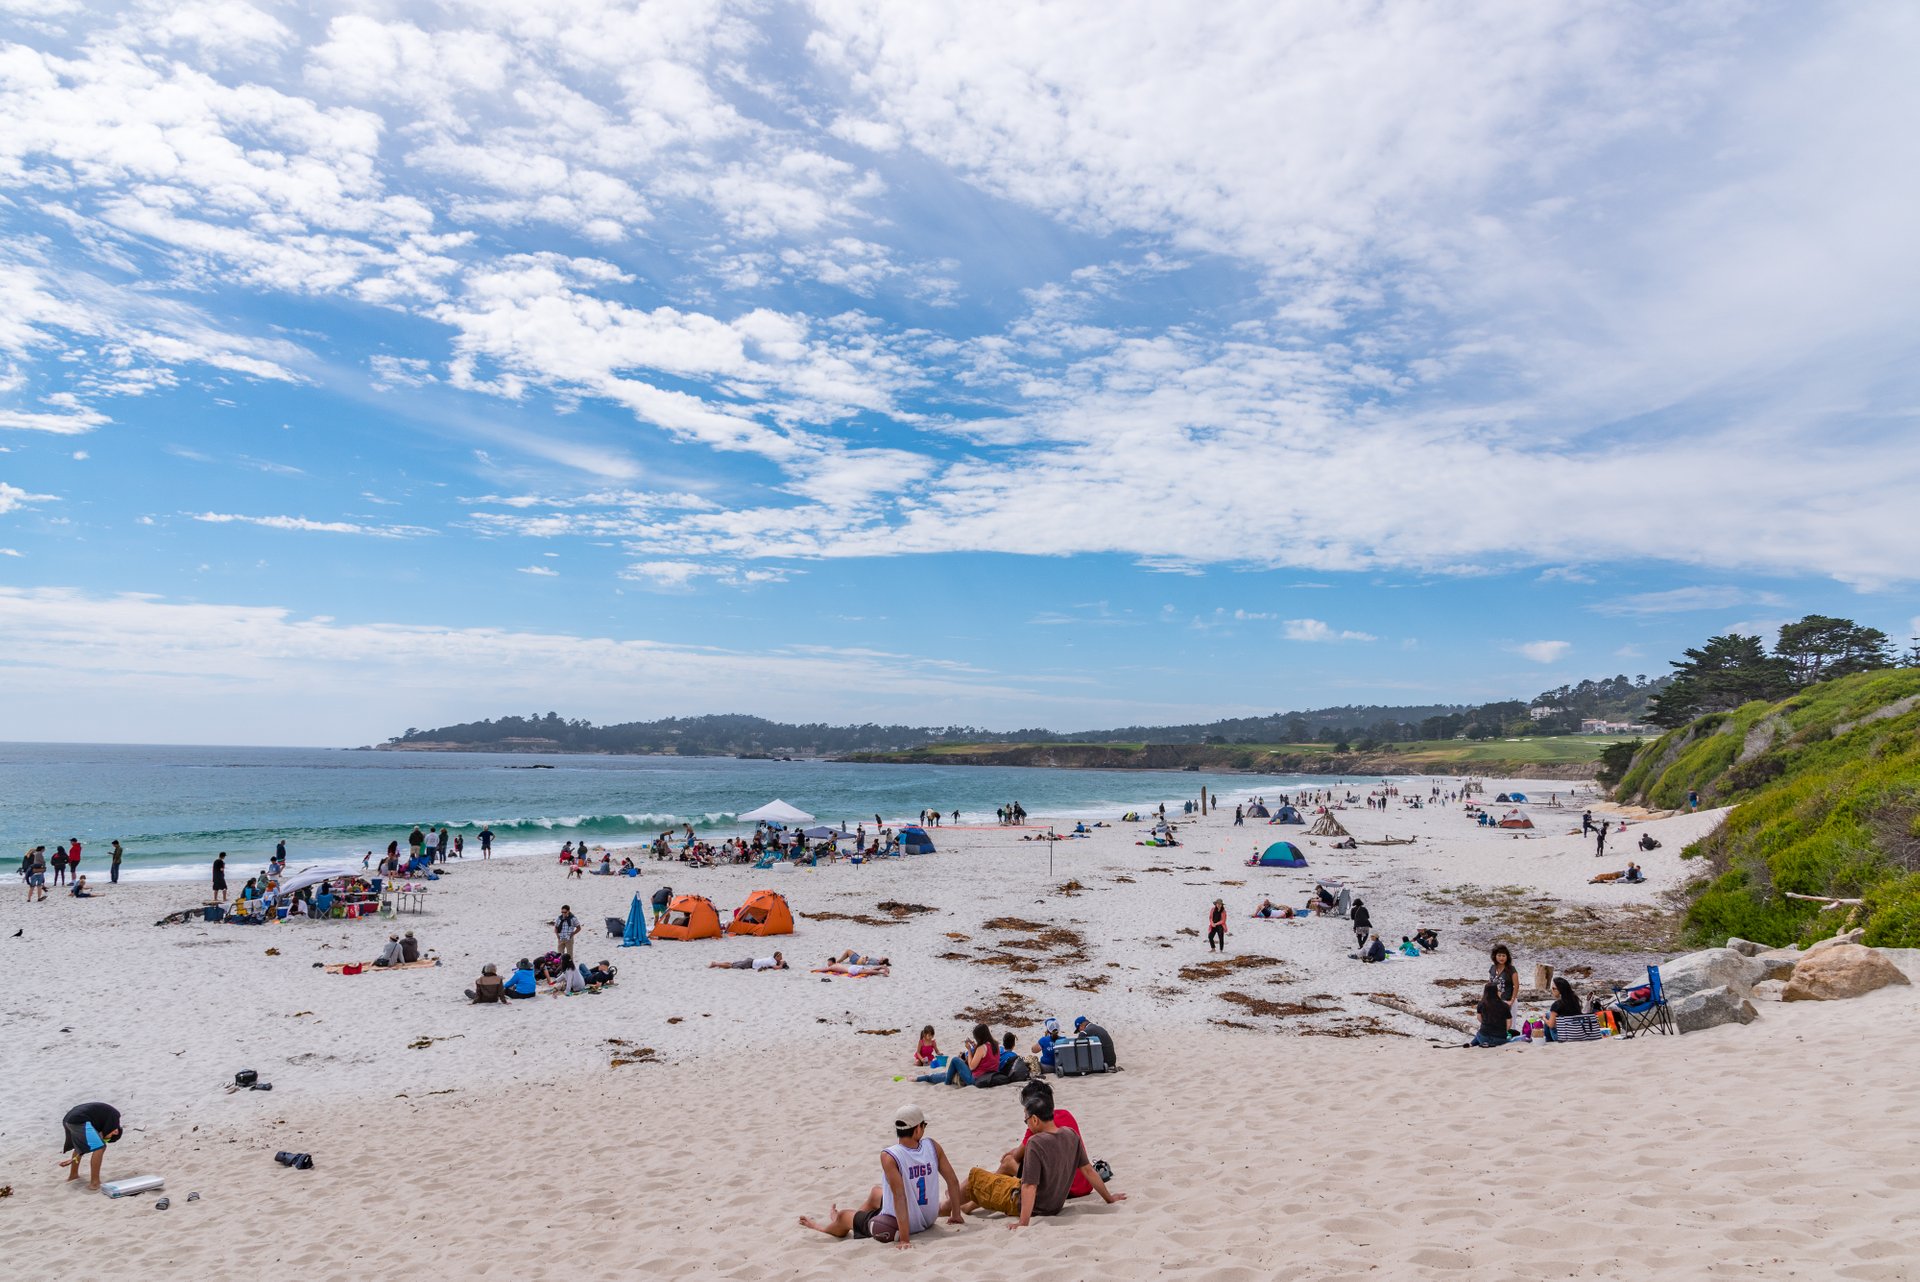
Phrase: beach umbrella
pixel 636 925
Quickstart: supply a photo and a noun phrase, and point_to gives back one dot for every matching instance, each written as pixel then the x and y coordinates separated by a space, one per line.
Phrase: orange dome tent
pixel 764 913
pixel 689 917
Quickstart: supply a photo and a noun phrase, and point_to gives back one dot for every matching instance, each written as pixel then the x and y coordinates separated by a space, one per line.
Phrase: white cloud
pixel 13 497
pixel 1316 630
pixel 546 572
pixel 1543 651
pixel 1680 600
pixel 10 552
pixel 81 456
pixel 302 524
pixel 58 424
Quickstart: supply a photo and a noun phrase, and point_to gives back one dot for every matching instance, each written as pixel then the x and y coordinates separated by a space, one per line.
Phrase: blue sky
pixel 365 366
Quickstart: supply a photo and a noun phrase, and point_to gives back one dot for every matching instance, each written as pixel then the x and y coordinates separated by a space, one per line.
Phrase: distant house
pixel 1594 725
pixel 1542 713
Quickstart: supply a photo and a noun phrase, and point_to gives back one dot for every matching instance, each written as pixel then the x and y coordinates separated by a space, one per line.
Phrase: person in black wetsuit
pixel 89 1129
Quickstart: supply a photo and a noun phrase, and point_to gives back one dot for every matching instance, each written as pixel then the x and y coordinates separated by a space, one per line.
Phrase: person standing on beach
pixel 1362 918
pixel 1503 978
pixel 1600 842
pixel 415 841
pixel 73 860
pixel 37 874
pixel 113 866
pixel 89 1129
pixel 565 927
pixel 440 846
pixel 220 878
pixel 59 860
pixel 1586 823
pixel 486 843
pixel 1217 927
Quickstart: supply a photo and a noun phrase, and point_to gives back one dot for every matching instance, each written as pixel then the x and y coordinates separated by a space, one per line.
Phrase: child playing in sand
pixel 926 1052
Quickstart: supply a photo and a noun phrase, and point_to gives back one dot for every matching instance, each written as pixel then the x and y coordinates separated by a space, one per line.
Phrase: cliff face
pixel 1230 758
pixel 1826 794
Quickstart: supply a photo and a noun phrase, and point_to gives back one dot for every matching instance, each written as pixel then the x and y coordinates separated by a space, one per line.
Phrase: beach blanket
pixel 368 968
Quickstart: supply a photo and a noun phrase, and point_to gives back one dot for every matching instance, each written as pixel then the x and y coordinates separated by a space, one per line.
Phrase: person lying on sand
pixel 901 1204
pixel 775 962
pixel 1268 908
pixel 855 970
pixel 1053 1157
pixel 852 958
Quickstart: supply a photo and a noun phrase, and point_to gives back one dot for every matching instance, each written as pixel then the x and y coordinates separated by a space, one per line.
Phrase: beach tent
pixel 1503 797
pixel 914 841
pixel 764 913
pixel 776 812
pixel 1516 821
pixel 636 934
pixel 1516 796
pixel 312 875
pixel 689 917
pixel 1327 826
pixel 821 833
pixel 1257 811
pixel 1287 815
pixel 1281 854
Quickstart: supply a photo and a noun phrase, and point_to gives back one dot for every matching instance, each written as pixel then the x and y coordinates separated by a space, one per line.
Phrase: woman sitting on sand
pixel 522 983
pixel 1494 1015
pixel 1565 1002
pixel 981 1057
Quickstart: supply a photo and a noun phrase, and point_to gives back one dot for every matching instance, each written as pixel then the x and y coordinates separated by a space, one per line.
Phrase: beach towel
pixel 368 968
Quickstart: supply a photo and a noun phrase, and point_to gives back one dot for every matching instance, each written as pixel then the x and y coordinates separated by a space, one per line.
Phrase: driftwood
pixel 1406 1007
pixel 1392 841
pixel 1826 901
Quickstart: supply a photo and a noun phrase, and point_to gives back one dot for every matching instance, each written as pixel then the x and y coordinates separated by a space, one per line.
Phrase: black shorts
pixel 862 1220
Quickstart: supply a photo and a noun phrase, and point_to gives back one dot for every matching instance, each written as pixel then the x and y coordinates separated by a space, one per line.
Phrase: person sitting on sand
pixel 1375 951
pixel 522 983
pixel 1647 842
pixel 1408 948
pixel 391 954
pixel 1633 874
pixel 1012 1159
pixel 601 974
pixel 1323 900
pixel 1084 1027
pixel 900 1205
pixel 488 988
pixel 1494 1014
pixel 1428 939
pixel 775 962
pixel 1045 1047
pixel 1053 1156
pixel 852 958
pixel 79 890
pixel 1565 1002
pixel 979 1057
pixel 927 1051
pixel 89 1129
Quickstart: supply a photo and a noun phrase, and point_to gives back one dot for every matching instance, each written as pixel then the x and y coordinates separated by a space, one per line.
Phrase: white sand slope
pixel 506 1146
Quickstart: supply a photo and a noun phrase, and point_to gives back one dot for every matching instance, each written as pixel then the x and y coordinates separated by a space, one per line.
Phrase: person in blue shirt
pixel 1408 948
pixel 1049 1034
pixel 522 983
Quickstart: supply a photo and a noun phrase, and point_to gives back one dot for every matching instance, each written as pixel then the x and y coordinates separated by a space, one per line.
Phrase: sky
pixel 365 366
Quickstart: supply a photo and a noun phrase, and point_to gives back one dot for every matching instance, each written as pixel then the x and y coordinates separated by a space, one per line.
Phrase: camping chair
pixel 1650 1014
pixel 1342 904
pixel 616 927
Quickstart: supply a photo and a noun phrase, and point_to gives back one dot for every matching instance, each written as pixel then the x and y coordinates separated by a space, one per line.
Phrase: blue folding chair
pixel 1650 1015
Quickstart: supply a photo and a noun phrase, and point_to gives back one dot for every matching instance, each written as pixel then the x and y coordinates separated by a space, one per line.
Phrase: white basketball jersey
pixel 920 1173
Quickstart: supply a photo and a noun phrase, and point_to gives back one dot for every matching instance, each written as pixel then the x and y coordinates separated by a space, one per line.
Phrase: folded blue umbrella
pixel 636 925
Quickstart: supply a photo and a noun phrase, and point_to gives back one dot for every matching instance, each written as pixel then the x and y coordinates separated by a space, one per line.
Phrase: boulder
pixel 1745 947
pixel 1907 959
pixel 1710 1008
pixel 1775 967
pixel 1769 990
pixel 1709 968
pixel 1850 937
pixel 1844 970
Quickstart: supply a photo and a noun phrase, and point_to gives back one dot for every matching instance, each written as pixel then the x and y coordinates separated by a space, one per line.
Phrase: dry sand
pixel 508 1146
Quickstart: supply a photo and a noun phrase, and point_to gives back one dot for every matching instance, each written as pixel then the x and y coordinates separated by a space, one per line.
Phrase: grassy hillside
pixel 1556 756
pixel 1828 791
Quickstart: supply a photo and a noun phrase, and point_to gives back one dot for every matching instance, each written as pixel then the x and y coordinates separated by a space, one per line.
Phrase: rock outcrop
pixel 1708 968
pixel 1710 1008
pixel 1840 970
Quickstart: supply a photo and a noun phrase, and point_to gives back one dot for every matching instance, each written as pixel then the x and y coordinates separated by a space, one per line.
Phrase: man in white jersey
pixel 909 1169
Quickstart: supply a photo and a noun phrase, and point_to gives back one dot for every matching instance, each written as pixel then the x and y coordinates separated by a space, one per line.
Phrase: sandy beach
pixel 1272 1119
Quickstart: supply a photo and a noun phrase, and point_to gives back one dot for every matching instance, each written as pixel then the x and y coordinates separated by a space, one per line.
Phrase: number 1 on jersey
pixel 922 1183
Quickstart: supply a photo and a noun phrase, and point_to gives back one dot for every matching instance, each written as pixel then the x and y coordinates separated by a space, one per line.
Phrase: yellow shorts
pixel 993 1192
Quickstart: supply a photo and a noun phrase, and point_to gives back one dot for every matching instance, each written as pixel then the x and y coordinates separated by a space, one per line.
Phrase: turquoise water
pixel 173 808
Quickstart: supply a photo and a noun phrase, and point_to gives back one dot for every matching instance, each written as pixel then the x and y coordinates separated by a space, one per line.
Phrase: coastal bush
pixel 1831 808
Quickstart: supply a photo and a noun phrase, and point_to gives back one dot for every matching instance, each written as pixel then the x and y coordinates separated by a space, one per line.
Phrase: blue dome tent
pixel 1281 854
pixel 914 841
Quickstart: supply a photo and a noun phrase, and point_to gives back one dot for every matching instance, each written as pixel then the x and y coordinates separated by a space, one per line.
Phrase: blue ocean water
pixel 174 808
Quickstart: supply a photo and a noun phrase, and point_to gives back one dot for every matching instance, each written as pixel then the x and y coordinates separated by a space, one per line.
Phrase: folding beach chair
pixel 1650 1014
pixel 616 927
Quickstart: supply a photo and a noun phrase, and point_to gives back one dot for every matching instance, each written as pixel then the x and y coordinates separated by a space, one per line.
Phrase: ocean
pixel 174 808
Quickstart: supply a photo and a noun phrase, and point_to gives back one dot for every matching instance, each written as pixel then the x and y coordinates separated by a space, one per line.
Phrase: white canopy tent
pixel 776 812
pixel 312 875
